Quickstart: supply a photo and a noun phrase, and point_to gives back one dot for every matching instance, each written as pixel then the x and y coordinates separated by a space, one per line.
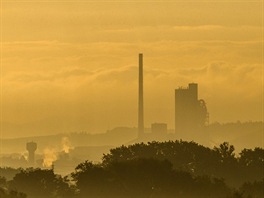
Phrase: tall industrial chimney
pixel 140 98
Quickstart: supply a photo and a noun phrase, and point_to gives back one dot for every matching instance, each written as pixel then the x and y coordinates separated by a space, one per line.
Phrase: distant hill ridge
pixel 242 135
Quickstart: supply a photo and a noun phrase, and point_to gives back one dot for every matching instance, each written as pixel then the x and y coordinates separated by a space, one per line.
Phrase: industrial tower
pixel 31 148
pixel 190 113
pixel 140 97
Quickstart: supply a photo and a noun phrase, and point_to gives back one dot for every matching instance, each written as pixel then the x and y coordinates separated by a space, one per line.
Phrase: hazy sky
pixel 72 65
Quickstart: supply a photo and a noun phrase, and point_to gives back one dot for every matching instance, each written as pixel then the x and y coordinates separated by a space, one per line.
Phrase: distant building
pixel 159 128
pixel 190 113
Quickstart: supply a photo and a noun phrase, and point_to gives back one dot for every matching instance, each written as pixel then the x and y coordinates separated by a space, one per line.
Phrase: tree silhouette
pixel 226 152
pixel 251 163
pixel 157 169
pixel 188 156
pixel 253 189
pixel 196 159
pixel 41 183
pixel 143 178
pixel 91 179
pixel 9 172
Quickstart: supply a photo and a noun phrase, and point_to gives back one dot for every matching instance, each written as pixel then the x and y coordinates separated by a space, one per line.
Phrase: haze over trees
pixel 92 146
pixel 156 169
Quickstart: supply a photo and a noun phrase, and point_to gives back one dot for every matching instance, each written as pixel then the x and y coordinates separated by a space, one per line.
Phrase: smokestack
pixel 140 98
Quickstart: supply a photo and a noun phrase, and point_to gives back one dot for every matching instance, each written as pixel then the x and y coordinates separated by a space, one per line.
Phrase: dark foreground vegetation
pixel 158 170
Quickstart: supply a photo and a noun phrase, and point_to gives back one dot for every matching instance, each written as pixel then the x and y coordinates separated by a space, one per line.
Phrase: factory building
pixel 159 129
pixel 190 112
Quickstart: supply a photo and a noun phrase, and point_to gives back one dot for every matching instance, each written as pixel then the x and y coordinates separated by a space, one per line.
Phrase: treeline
pixel 220 162
pixel 36 183
pixel 156 169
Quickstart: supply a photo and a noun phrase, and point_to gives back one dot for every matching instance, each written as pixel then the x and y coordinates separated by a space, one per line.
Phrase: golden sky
pixel 72 65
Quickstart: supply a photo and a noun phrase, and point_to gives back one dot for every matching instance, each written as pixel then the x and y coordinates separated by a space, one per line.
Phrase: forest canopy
pixel 156 169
